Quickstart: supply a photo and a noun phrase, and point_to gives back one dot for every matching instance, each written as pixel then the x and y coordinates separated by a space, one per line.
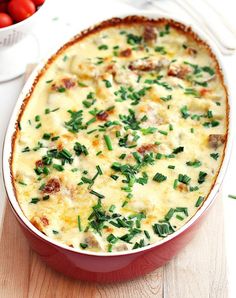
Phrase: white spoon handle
pixel 212 22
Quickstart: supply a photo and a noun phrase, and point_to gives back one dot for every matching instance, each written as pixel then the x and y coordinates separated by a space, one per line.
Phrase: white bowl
pixel 18 47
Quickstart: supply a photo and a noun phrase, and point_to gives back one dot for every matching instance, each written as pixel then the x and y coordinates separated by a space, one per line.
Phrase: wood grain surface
pixel 198 271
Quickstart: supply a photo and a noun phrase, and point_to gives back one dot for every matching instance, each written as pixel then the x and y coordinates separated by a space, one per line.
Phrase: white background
pixel 64 18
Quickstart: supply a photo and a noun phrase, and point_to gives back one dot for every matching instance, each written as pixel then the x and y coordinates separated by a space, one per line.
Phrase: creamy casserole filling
pixel 122 137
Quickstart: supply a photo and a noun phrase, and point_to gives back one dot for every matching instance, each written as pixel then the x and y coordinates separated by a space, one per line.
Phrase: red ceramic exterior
pixel 108 268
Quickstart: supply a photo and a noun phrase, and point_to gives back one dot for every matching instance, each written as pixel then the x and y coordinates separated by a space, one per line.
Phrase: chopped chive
pixel 169 214
pixel 112 239
pixel 184 179
pixel 83 245
pixel 214 155
pixel 65 58
pixel 109 249
pixel 163 132
pixel 61 89
pixel 79 224
pixel 124 204
pixel 112 208
pixel 213 123
pixel 55 232
pixel 178 150
pixel 107 83
pixel 182 209
pixel 38 125
pixel 184 111
pixel 179 217
pixel 91 121
pixel 79 149
pixel 59 168
pixel 199 201
pixel 159 177
pixel 34 200
pixel 232 197
pixel 196 163
pixel 98 153
pixel 37 118
pixel 148 130
pixel 193 188
pixel 42 186
pixel 147 234
pixel 122 156
pixel 91 131
pixel 103 47
pixel 117 134
pixel 81 84
pixel 114 177
pixel 46 136
pixel 171 167
pixel 45 198
pixel 22 183
pixel 108 142
pixel 167 98
pixel 175 184
pixel 100 196
pixel 201 177
pixel 26 149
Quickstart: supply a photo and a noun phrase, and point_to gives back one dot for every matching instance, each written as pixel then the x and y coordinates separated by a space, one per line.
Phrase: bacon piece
pixel 102 116
pixel 95 142
pixel 44 220
pixel 39 223
pixel 216 140
pixel 126 53
pixel 36 224
pixel 204 91
pixel 52 186
pixel 68 83
pixel 146 148
pixel 182 187
pixel 149 34
pixel 39 163
pixel 178 71
pixel 192 52
pixel 148 65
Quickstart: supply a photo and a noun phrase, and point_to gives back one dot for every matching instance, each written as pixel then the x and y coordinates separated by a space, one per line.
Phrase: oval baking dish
pixel 92 245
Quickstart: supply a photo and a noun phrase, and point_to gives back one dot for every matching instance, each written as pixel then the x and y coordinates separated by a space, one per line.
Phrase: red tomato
pixel 38 2
pixel 3 6
pixel 21 9
pixel 5 20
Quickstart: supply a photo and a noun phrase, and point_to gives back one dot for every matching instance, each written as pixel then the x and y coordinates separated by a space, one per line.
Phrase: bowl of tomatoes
pixel 17 18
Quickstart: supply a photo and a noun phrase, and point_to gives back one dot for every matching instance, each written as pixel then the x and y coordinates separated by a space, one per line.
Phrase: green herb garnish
pixel 159 177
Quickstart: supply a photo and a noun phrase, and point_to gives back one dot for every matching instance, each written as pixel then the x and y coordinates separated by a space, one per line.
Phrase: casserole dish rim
pixel 27 89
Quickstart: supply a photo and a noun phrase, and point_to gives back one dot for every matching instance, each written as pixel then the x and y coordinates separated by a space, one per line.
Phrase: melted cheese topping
pixel 122 138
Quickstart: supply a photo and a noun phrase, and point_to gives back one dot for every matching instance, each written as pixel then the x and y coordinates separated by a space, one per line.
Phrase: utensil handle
pixel 212 22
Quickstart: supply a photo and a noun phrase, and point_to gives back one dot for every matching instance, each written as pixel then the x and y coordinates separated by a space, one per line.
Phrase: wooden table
pixel 198 271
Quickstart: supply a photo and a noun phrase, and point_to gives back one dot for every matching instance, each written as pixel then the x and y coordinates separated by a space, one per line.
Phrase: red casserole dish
pixel 115 266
